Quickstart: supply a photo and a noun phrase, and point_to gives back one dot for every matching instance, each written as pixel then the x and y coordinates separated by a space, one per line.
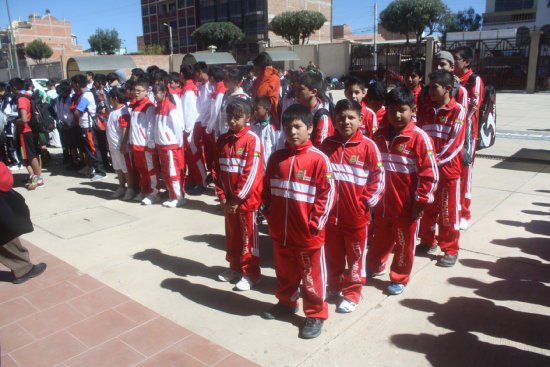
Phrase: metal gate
pixel 543 63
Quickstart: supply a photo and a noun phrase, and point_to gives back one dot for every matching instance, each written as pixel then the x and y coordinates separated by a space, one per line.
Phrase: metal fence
pixel 52 71
pixel 543 64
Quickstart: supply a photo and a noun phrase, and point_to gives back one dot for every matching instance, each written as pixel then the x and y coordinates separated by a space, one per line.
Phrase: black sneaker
pixel 34 272
pixel 279 311
pixel 311 329
pixel 447 261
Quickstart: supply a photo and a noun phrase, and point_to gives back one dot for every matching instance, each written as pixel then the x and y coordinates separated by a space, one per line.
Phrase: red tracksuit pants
pixel 194 159
pixel 445 212
pixel 171 165
pixel 400 232
pixel 308 266
pixel 341 245
pixel 145 162
pixel 242 243
pixel 209 149
pixel 466 190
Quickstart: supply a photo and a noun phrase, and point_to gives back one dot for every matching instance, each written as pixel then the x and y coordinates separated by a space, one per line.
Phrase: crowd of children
pixel 377 168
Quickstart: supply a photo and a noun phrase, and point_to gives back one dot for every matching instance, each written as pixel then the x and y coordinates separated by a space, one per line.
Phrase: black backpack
pixel 487 114
pixel 99 119
pixel 42 120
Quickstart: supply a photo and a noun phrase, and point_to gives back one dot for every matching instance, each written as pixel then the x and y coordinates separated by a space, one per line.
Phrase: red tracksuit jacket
pixel 359 178
pixel 410 169
pixel 446 127
pixel 238 169
pixel 298 195
pixel 369 122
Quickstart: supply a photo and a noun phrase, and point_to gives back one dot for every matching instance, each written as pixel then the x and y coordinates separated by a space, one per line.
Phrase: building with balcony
pixel 500 14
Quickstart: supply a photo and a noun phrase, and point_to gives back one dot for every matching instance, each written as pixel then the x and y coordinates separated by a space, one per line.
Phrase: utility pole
pixel 171 43
pixel 375 35
pixel 12 41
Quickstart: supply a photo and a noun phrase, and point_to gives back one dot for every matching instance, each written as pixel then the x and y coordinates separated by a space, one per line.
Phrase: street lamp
pixel 170 30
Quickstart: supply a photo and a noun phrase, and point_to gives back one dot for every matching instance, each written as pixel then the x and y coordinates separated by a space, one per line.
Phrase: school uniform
pixel 411 177
pixel 238 173
pixel 268 84
pixel 196 174
pixel 272 138
pixel 118 120
pixel 359 178
pixel 89 139
pixel 142 144
pixel 27 140
pixel 446 127
pixel 298 195
pixel 221 124
pixel 207 151
pixel 210 135
pixel 369 123
pixel 323 126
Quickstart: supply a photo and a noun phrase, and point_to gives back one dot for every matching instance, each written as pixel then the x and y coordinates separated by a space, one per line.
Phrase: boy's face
pixel 443 64
pixel 174 85
pixel 411 79
pixel 159 96
pixel 438 92
pixel 355 92
pixel 297 132
pixel 374 104
pixel 347 123
pixel 139 92
pixel 461 64
pixel 303 94
pixel 229 84
pixel 237 121
pixel 400 115
pixel 260 112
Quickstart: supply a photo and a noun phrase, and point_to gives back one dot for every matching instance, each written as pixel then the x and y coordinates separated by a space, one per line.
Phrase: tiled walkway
pixel 67 319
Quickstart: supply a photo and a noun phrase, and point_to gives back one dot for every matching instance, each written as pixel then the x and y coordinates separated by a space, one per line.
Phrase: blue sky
pixel 125 15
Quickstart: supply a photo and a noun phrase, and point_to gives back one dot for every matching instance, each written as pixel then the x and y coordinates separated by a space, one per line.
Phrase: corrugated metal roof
pixel 282 55
pixel 114 62
pixel 210 58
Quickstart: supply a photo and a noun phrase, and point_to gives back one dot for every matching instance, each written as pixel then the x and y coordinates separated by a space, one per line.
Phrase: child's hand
pixel 417 210
pixel 123 149
pixel 232 207
pixel 223 204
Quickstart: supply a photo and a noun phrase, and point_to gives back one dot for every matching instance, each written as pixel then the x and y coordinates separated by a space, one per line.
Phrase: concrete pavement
pixel 491 309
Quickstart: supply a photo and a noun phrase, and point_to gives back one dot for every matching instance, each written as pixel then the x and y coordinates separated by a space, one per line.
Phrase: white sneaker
pixel 139 197
pixel 228 275
pixel 129 195
pixel 245 284
pixel 16 167
pixel 151 199
pixel 463 223
pixel 175 203
pixel 346 306
pixel 118 193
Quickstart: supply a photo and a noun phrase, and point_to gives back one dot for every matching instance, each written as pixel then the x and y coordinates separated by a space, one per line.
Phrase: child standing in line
pixel 359 180
pixel 444 122
pixel 238 173
pixel 411 181
pixel 272 138
pixel 197 166
pixel 376 95
pixel 169 143
pixel 308 88
pixel 298 195
pixel 117 137
pixel 355 90
pixel 413 75
pixel 215 100
pixel 232 81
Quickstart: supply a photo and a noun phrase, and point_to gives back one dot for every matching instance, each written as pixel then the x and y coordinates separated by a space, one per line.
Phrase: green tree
pixel 463 21
pixel 152 49
pixel 104 41
pixel 413 16
pixel 294 26
pixel 220 34
pixel 38 50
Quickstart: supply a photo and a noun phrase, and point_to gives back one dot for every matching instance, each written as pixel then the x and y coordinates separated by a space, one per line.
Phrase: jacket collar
pixel 242 132
pixel 299 149
pixel 354 139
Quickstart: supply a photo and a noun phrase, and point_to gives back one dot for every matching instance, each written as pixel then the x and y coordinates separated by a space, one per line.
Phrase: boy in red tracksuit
pixel 444 122
pixel 298 195
pixel 238 172
pixel 359 179
pixel 411 181
pixel 354 89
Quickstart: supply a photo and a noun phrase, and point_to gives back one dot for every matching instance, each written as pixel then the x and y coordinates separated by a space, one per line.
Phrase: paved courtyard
pixel 133 285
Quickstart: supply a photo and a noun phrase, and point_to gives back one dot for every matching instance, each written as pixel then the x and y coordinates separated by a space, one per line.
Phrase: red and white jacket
pixel 298 195
pixel 204 102
pixel 446 127
pixel 168 126
pixel 369 121
pixel 142 123
pixel 410 169
pixel 475 98
pixel 359 178
pixel 323 127
pixel 189 100
pixel 216 102
pixel 238 169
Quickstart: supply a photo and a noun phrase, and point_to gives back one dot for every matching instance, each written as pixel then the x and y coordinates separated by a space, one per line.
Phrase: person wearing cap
pixel 445 60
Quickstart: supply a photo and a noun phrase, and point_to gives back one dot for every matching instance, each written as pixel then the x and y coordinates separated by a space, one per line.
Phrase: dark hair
pixel 100 78
pixel 111 77
pixel 90 73
pixel 377 92
pixel 415 65
pixel 400 96
pixel 234 75
pixel 263 101
pixel 143 82
pixel 200 66
pixel 118 94
pixel 174 77
pixel 63 88
pixel 465 52
pixel 151 69
pixel 164 89
pixel 130 84
pixel 79 80
pixel 138 72
pixel 187 70
pixel 346 105
pixel 298 112
pixel 312 81
pixel 353 80
pixel 28 85
pixel 17 83
pixel 263 60
pixel 442 77
pixel 238 105
pixel 158 76
pixel 217 73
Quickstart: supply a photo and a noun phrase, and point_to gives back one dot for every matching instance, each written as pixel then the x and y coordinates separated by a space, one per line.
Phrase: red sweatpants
pixel 196 172
pixel 171 165
pixel 209 149
pixel 307 266
pixel 242 243
pixel 445 212
pixel 390 231
pixel 346 244
pixel 145 162
pixel 466 190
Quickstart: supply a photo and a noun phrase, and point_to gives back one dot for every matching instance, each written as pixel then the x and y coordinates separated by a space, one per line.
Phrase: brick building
pixel 55 33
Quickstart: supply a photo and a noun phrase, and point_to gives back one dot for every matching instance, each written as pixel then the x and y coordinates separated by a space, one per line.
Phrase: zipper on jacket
pixel 338 185
pixel 286 198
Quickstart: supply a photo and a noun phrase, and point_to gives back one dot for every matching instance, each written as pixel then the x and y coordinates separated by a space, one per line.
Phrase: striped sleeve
pixel 324 195
pixel 426 167
pixel 376 181
pixel 455 142
pixel 253 168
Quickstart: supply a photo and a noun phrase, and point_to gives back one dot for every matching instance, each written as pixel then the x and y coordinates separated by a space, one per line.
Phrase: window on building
pixel 181 3
pixel 190 3
pixel 222 8
pixel 153 9
pixel 144 10
pixel 181 22
pixel 153 27
pixel 207 11
pixel 173 24
pixel 146 28
pixel 190 21
pixel 171 7
pixel 509 5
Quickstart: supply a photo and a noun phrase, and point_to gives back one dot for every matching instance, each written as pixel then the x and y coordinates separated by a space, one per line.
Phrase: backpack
pixel 487 115
pixel 42 120
pixel 101 115
pixel 318 115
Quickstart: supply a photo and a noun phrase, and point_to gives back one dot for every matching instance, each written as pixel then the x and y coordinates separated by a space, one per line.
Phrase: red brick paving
pixel 65 318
